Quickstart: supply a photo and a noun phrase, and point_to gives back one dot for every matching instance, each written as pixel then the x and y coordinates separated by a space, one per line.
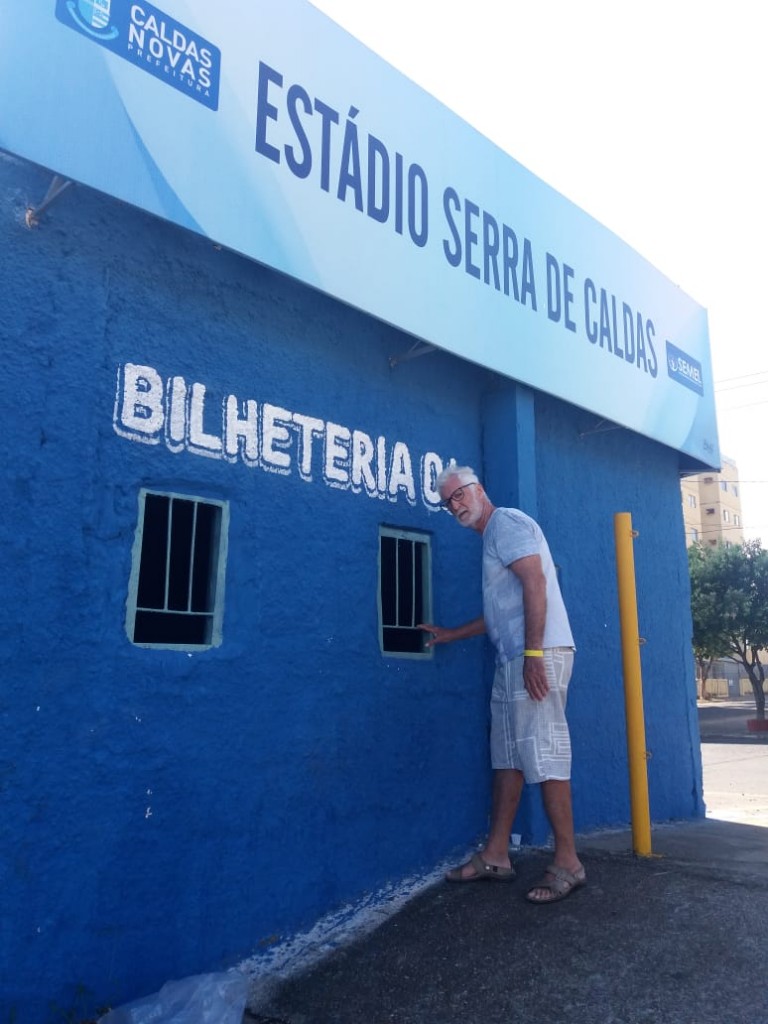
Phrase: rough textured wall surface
pixel 586 474
pixel 170 812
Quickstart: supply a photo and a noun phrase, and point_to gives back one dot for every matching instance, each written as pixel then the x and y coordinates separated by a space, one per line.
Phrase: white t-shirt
pixel 509 535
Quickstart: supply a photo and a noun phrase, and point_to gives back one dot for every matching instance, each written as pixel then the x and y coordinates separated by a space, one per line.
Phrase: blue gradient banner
pixel 270 130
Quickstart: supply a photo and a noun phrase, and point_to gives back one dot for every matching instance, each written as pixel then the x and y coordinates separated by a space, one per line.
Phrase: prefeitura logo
pixel 150 39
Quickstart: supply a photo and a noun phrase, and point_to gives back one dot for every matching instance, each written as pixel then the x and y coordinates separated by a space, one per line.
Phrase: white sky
pixel 651 117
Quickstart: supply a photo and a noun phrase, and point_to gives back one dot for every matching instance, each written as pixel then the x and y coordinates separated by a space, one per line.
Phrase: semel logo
pixel 684 369
pixel 152 40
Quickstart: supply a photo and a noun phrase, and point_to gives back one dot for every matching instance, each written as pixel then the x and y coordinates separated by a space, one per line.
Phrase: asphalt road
pixel 734 762
pixel 725 721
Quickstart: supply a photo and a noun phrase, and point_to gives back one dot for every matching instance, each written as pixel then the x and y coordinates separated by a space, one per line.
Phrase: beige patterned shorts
pixel 532 735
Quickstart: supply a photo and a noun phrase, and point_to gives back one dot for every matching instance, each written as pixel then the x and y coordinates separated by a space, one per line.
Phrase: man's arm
pixel 531 575
pixel 445 635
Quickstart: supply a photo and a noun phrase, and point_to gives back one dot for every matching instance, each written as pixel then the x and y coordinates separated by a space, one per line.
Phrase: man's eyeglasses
pixel 457 495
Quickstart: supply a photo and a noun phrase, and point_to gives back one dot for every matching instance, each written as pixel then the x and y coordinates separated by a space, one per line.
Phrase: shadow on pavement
pixel 648 940
pixel 726 722
pixel 675 938
pixel 725 738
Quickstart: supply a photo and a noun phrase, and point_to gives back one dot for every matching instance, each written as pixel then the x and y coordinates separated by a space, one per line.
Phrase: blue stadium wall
pixel 166 812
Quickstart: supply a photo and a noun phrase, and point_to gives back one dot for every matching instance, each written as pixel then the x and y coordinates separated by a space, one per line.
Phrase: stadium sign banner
pixel 267 128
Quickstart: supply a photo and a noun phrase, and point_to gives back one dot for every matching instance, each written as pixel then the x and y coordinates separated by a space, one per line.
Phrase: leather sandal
pixel 484 872
pixel 559 886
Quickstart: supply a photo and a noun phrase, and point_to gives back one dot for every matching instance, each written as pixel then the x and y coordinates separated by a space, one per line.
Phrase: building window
pixel 692 501
pixel 176 591
pixel 726 516
pixel 694 534
pixel 723 485
pixel 405 592
pixel 735 489
pixel 736 519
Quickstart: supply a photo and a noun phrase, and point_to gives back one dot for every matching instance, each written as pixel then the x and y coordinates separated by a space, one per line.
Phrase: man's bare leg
pixel 507 789
pixel 556 795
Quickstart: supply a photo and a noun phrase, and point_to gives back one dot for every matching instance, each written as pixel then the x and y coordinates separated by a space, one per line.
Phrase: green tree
pixel 729 605
pixel 710 641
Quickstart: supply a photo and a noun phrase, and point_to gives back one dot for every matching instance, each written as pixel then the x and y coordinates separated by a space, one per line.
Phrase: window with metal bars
pixel 405 592
pixel 175 596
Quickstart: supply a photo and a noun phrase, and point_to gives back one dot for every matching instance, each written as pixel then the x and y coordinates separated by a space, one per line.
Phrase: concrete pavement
pixel 735 762
pixel 677 938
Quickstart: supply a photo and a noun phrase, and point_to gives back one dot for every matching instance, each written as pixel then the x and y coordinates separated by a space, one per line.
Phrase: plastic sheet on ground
pixel 200 999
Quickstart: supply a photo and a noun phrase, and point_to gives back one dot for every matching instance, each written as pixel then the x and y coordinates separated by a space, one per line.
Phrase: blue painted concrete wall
pixel 586 474
pixel 165 812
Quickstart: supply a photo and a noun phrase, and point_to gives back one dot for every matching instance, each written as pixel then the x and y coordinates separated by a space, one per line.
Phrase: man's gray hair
pixel 464 474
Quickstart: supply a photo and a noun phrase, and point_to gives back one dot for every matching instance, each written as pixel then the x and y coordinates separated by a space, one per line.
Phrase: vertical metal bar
pixel 633 684
pixel 192 556
pixel 414 555
pixel 397 581
pixel 169 533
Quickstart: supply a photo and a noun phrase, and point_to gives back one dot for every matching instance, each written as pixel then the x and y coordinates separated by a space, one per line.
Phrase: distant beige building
pixel 712 506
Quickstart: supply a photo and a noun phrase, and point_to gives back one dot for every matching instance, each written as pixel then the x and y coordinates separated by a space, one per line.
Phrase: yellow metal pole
pixel 633 684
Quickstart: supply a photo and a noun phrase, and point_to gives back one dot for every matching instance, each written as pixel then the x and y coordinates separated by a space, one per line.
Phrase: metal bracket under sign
pixel 58 185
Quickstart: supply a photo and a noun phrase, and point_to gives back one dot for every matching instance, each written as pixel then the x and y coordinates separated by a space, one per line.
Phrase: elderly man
pixel 525 617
